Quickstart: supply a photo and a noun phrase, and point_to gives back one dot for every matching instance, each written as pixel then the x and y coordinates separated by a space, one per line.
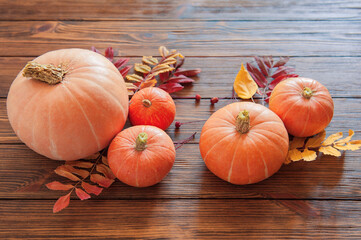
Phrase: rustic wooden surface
pixel 317 200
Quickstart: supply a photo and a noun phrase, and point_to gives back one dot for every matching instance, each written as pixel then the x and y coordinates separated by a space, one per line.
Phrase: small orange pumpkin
pixel 141 156
pixel 304 105
pixel 68 104
pixel 244 143
pixel 152 106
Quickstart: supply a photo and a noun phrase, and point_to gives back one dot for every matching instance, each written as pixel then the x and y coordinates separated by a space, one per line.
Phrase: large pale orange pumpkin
pixel 70 104
pixel 244 143
pixel 304 105
pixel 141 156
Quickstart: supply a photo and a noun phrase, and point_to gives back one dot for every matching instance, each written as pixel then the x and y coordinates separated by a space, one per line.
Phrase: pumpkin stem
pixel 45 73
pixel 141 141
pixel 307 92
pixel 242 122
pixel 146 103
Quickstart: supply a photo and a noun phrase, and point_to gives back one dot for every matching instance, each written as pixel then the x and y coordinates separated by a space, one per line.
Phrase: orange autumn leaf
pixel 309 155
pixel 316 141
pixel 244 85
pixel 80 164
pixel 329 150
pixel 89 188
pixel 346 139
pixel 294 155
pixel 332 138
pixel 64 172
pixel 55 185
pixel 149 83
pixel 81 194
pixel 61 203
pixel 102 168
pixel 101 180
pixel 297 142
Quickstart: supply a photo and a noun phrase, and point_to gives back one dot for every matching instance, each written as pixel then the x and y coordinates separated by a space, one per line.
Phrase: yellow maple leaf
pixel 346 139
pixel 316 141
pixel 348 146
pixel 297 142
pixel 329 150
pixel 332 138
pixel 244 85
pixel 294 155
pixel 308 155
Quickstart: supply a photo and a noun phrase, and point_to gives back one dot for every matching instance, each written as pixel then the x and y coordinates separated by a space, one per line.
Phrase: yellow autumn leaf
pixel 294 155
pixel 358 142
pixel 316 141
pixel 161 68
pixel 332 138
pixel 329 150
pixel 287 161
pixel 134 78
pixel 308 155
pixel 346 139
pixel 149 83
pixel 149 60
pixel 244 85
pixel 297 142
pixel 142 68
pixel 348 146
pixel 163 51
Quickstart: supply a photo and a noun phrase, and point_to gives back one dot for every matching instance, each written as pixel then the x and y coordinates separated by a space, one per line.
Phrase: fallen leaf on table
pixel 244 85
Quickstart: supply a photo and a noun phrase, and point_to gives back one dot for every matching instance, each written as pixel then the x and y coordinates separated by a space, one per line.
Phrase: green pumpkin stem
pixel 45 73
pixel 141 141
pixel 242 122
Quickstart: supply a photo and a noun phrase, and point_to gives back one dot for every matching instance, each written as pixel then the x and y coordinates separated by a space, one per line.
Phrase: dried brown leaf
pixel 105 160
pixel 297 142
pixel 102 168
pixel 64 172
pixel 59 186
pixel 316 141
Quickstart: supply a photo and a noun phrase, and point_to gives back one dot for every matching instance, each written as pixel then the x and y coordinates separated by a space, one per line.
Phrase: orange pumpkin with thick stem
pixel 141 156
pixel 244 143
pixel 68 104
pixel 304 105
pixel 152 106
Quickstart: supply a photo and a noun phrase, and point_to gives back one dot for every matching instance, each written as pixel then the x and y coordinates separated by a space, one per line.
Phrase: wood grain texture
pixel 347 115
pixel 218 73
pixel 219 38
pixel 260 10
pixel 182 219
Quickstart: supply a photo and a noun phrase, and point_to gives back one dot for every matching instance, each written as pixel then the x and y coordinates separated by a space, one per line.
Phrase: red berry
pixel 214 100
pixel 177 124
pixel 198 97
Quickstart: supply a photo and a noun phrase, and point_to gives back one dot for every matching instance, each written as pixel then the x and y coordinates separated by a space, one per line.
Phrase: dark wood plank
pixel 23 174
pixel 182 219
pixel 219 38
pixel 347 115
pixel 218 73
pixel 173 10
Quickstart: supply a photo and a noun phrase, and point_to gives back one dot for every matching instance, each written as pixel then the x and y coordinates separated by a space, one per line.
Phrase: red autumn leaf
pixel 171 87
pixel 91 188
pixel 187 73
pixel 105 170
pixel 121 62
pixel 257 76
pixel 101 180
pixel 81 194
pixel 279 79
pixel 80 164
pixel 124 71
pixel 79 172
pixel 164 76
pixel 180 79
pixel 268 60
pixel 262 66
pixel 105 160
pixel 282 70
pixel 64 172
pixel 59 186
pixel 109 53
pixel 281 62
pixel 61 203
pixel 179 63
pixel 95 50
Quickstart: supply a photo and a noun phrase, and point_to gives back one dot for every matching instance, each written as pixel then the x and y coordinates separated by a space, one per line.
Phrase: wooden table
pixel 320 199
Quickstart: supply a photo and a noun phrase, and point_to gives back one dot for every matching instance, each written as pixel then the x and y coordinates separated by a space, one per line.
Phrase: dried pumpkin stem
pixel 45 73
pixel 242 122
pixel 141 141
pixel 307 92
pixel 146 103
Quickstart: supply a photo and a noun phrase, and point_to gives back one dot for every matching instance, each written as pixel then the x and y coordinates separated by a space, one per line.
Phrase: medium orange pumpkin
pixel 152 106
pixel 69 105
pixel 244 143
pixel 304 105
pixel 141 156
